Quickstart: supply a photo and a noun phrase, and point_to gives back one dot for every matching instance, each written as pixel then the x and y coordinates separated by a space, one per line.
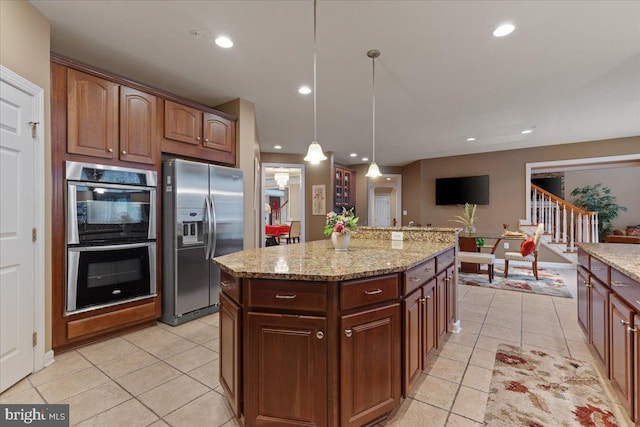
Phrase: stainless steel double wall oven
pixel 111 235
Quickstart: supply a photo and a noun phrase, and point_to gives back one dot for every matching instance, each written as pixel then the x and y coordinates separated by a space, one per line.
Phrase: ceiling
pixel 570 70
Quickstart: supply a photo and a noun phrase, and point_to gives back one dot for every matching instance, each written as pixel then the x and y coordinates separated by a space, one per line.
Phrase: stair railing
pixel 565 222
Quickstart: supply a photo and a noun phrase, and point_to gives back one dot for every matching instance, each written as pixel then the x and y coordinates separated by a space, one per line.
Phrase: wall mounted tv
pixel 461 190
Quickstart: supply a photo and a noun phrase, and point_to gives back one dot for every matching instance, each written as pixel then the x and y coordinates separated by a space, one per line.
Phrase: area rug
pixel 520 279
pixel 533 388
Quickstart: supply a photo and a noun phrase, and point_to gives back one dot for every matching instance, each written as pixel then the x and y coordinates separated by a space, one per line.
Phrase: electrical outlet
pixel 506 245
pixel 404 212
pixel 397 235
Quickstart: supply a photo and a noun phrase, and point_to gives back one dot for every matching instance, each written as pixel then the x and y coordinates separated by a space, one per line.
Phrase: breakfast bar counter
pixel 313 336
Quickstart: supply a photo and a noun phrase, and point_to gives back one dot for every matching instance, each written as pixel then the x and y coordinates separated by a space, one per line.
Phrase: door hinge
pixel 34 129
pixel 34 234
pixel 34 339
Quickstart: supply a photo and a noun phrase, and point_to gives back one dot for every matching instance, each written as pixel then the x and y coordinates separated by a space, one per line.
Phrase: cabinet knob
pixel 423 300
pixel 630 329
pixel 124 152
pixel 110 150
pixel 428 297
pixel 319 335
pixel 198 138
pixel 348 333
pixel 206 140
pixel 624 322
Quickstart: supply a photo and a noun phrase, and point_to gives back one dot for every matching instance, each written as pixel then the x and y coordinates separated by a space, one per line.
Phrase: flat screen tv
pixel 461 190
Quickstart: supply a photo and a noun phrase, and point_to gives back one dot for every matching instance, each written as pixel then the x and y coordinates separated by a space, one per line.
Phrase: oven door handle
pixel 206 225
pixel 72 215
pixel 109 247
pixel 214 236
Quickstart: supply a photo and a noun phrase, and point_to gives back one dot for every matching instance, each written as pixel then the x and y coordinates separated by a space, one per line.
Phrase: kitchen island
pixel 315 337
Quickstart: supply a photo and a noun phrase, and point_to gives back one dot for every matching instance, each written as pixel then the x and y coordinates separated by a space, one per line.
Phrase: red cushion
pixel 527 247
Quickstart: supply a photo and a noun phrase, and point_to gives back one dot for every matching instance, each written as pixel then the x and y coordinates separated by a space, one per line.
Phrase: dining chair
pixel 532 257
pixel 293 234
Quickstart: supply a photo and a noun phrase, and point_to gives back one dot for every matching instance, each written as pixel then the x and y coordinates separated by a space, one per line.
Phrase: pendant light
pixel 314 153
pixel 374 171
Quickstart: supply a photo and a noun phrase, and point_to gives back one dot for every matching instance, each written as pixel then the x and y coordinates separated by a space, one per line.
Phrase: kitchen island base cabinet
pixel 370 365
pixel 286 381
pixel 621 348
pixel 230 352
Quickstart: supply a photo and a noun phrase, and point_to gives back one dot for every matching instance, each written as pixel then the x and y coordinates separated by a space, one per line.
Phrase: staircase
pixel 564 223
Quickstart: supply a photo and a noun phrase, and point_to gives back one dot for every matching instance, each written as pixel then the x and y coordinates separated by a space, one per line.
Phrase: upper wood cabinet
pixel 344 188
pixel 110 121
pixel 195 133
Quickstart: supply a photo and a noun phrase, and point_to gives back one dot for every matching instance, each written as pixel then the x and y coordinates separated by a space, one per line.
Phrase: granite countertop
pixel 318 261
pixel 622 256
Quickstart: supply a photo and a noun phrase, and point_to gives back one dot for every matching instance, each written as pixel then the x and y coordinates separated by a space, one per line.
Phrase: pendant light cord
pixel 374 108
pixel 315 114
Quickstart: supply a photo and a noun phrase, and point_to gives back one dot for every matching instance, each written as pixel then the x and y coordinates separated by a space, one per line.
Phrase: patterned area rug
pixel 533 388
pixel 520 279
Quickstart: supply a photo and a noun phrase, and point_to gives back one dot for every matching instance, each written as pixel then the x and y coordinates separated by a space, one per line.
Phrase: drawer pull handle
pixel 415 279
pixel 630 329
pixel 429 269
pixel 638 302
pixel 348 333
pixel 428 296
pixel 618 284
pixel 278 296
pixel 319 335
pixel 377 291
pixel 624 322
pixel 598 268
pixel 225 284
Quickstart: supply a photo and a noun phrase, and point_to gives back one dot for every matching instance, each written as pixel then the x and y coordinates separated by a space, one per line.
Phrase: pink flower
pixel 331 215
pixel 339 228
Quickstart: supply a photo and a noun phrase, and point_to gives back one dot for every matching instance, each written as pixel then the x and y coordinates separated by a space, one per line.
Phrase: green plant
pixel 468 217
pixel 479 241
pixel 596 198
pixel 344 222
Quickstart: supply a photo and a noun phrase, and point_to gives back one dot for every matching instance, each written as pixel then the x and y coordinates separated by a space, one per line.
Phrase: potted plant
pixel 339 226
pixel 468 218
pixel 595 198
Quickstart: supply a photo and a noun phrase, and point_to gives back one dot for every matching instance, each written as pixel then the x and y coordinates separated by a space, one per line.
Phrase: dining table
pixel 468 243
pixel 273 232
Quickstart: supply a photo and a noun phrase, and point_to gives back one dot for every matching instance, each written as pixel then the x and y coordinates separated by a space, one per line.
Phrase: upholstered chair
pixel 294 232
pixel 532 257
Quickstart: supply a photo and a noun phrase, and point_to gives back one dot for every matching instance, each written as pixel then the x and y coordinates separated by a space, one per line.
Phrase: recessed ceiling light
pixel 278 147
pixel 305 90
pixel 224 42
pixel 471 139
pixel 526 131
pixel 388 179
pixel 503 30
pixel 353 155
pixel 365 159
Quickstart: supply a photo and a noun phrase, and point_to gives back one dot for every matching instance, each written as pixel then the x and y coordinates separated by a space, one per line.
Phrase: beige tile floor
pixel 169 375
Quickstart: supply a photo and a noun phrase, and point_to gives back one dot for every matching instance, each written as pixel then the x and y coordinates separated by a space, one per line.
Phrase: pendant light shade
pixel 374 170
pixel 314 153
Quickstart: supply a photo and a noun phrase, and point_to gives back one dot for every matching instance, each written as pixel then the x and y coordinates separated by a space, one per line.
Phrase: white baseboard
pixel 456 328
pixel 48 358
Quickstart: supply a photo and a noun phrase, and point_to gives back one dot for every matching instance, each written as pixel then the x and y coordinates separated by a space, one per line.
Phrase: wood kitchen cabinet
pixel 110 121
pixel 451 298
pixel 230 352
pixel 621 351
pixel 344 188
pixel 441 307
pixel 370 363
pixel 286 364
pixel 583 295
pixel 196 133
pixel 599 319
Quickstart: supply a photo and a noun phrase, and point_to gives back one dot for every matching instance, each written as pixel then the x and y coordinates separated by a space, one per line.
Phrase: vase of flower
pixel 468 218
pixel 339 226
pixel 340 241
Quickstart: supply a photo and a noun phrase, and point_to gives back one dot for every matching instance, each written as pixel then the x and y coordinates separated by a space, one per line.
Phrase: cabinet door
pixel 137 126
pixel 92 115
pixel 369 365
pixel 339 187
pixel 583 295
pixel 636 369
pixel 230 354
pixel 621 356
pixel 599 320
pixel 182 123
pixel 441 307
pixel 413 332
pixel 429 321
pixel 286 382
pixel 219 133
pixel 451 299
pixel 347 198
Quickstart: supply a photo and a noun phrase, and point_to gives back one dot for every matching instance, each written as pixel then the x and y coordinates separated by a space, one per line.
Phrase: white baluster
pixel 580 228
pixel 564 223
pixel 595 227
pixel 534 220
pixel 557 224
pixel 571 231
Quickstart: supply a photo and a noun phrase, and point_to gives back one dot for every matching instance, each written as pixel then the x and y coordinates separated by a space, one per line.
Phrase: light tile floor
pixel 167 375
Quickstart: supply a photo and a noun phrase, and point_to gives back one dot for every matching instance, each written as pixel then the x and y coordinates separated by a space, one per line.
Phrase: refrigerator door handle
pixel 214 235
pixel 206 225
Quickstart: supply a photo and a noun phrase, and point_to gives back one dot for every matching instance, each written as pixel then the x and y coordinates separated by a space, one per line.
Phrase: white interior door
pixel 17 220
pixel 382 211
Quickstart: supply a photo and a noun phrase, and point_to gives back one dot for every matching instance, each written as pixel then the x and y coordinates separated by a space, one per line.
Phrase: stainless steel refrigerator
pixel 202 217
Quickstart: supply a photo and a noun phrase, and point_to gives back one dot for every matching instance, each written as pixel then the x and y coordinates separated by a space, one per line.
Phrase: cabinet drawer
pixel 359 293
pixel 600 270
pixel 418 276
pixel 627 288
pixel 287 295
pixel 583 258
pixel 230 286
pixel 444 260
